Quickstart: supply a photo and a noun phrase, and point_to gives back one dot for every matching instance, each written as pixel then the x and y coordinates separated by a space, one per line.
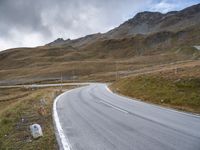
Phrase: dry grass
pixel 98 69
pixel 14 133
pixel 176 88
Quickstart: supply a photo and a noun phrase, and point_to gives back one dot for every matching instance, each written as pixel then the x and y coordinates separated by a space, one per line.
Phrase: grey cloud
pixel 61 18
pixel 22 15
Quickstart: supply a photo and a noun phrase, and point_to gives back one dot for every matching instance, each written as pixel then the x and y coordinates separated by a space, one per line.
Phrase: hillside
pixel 145 23
pixel 176 88
pixel 148 39
pixel 152 22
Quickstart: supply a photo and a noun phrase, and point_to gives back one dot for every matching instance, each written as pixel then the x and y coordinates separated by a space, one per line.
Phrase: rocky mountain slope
pixel 145 23
pixel 152 22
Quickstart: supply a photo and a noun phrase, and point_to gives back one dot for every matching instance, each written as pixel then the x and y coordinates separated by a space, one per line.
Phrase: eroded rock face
pixel 148 17
pixel 57 42
pixel 152 22
pixel 144 23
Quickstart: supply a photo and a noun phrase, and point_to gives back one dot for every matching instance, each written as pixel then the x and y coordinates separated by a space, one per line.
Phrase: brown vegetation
pixel 177 87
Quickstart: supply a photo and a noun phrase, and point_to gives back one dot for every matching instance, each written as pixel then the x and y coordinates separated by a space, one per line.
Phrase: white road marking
pixel 154 105
pixel 119 109
pixel 63 139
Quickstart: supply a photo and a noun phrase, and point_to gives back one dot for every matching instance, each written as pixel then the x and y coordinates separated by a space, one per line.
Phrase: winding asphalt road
pixel 93 118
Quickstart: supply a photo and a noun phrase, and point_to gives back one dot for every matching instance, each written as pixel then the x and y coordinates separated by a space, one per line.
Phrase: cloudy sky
pixel 37 22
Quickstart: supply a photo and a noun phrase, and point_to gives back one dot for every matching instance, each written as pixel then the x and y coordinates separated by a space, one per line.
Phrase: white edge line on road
pixel 63 139
pixel 108 89
pixel 157 106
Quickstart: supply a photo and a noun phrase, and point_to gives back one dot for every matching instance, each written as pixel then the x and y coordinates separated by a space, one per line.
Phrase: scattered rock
pixel 36 131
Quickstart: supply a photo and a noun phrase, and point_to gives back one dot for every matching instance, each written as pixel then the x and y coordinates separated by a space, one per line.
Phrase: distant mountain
pixel 145 23
pixel 152 22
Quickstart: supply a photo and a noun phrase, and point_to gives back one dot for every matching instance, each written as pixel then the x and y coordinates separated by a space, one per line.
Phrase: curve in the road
pixel 94 118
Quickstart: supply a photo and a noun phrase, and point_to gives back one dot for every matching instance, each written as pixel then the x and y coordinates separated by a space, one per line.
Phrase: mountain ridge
pixel 145 23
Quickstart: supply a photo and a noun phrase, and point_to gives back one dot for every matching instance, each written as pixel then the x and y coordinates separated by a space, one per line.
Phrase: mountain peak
pixel 144 23
pixel 147 14
pixel 152 22
pixel 57 42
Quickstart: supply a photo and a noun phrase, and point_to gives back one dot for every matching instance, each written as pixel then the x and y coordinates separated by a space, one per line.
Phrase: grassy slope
pixel 99 57
pixel 82 69
pixel 15 134
pixel 177 89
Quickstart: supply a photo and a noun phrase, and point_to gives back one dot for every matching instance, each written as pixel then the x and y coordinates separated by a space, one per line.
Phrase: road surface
pixel 93 118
